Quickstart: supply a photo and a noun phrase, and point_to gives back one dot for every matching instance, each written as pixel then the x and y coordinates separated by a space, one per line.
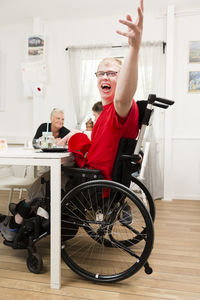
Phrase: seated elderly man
pixel 55 127
pixel 9 224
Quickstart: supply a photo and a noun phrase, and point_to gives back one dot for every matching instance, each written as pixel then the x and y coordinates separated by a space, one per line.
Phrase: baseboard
pixel 188 197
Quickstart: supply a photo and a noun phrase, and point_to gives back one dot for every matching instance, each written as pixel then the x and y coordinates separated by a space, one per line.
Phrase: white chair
pixel 9 180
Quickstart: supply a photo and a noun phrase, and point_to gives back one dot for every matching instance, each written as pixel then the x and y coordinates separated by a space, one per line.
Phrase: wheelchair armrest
pixel 81 172
pixel 132 157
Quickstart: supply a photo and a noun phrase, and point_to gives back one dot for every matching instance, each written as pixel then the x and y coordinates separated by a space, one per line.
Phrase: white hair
pixel 57 110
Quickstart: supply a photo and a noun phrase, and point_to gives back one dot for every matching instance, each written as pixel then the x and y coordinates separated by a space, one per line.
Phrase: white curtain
pixel 83 64
pixel 151 69
pixel 152 81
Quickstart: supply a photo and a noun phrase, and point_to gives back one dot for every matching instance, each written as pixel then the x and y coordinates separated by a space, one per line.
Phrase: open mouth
pixel 105 87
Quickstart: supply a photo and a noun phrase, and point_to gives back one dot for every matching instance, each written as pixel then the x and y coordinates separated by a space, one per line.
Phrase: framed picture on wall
pixel 194 51
pixel 194 82
pixel 35 49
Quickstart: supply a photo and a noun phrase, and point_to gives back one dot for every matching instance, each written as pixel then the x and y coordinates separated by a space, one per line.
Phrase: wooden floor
pixel 175 260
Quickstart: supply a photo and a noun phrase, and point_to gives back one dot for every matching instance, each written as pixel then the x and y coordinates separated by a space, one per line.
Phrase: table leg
pixel 55 252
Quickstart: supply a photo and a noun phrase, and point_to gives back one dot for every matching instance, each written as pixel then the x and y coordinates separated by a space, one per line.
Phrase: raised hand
pixel 134 32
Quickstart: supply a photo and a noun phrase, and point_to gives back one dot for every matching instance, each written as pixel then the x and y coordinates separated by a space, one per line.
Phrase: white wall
pixel 186 128
pixel 16 120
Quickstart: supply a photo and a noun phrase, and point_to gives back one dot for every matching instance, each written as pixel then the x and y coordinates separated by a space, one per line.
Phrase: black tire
pixel 142 193
pixel 105 248
pixel 34 263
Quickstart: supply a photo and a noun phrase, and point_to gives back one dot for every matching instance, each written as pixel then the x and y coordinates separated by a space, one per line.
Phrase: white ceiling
pixel 12 11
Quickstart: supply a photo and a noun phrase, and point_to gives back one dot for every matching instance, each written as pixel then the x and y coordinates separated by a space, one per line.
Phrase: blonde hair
pixel 56 110
pixel 108 60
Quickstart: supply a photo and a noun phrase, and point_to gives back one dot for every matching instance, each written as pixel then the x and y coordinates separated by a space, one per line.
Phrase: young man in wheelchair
pixel 117 85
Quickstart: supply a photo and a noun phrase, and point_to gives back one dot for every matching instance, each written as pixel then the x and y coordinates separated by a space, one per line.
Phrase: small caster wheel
pixel 148 269
pixel 34 263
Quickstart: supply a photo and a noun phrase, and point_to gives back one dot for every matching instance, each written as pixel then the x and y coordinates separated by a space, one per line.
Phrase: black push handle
pixel 160 105
pixel 152 98
pixel 165 101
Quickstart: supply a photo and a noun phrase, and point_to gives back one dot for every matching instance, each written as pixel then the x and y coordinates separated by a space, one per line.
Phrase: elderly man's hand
pixel 66 138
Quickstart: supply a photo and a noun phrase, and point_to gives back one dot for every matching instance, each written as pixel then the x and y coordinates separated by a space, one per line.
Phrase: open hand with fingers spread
pixel 134 32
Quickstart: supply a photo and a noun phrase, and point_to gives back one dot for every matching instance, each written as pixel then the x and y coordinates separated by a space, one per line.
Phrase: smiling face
pixel 57 120
pixel 107 84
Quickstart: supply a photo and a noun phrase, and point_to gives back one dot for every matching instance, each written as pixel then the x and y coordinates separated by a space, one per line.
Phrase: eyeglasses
pixel 108 74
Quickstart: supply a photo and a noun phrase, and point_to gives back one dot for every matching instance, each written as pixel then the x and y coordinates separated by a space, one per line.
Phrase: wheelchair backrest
pixel 142 104
pixel 123 167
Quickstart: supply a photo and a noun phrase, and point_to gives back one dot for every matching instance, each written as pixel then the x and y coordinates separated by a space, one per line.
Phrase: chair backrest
pixel 6 170
pixel 123 167
pixel 142 104
pixel 16 171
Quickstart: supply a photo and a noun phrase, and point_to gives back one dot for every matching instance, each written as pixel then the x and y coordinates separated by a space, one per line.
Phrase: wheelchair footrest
pixel 20 245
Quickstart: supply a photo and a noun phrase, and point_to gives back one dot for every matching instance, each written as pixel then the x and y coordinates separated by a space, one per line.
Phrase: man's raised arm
pixel 128 76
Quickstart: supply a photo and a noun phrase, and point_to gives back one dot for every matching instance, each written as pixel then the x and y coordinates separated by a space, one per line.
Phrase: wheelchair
pixel 107 231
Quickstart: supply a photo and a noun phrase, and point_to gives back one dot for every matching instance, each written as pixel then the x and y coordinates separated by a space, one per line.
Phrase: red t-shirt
pixel 106 134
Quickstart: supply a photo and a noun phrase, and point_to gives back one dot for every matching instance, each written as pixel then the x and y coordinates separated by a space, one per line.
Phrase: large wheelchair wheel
pixel 106 231
pixel 144 195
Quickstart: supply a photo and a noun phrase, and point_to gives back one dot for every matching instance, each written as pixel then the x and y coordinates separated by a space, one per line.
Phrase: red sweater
pixel 106 133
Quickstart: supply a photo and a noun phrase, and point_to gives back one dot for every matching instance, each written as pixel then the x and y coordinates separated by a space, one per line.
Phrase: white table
pixel 19 156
